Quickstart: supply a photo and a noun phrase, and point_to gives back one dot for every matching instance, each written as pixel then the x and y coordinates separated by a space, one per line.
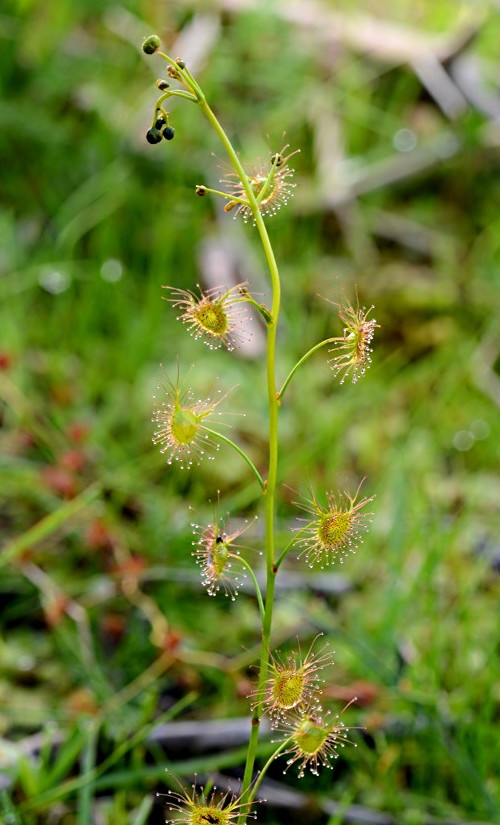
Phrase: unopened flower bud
pixel 162 85
pixel 153 135
pixel 168 133
pixel 180 63
pixel 151 44
pixel 201 191
pixel 173 73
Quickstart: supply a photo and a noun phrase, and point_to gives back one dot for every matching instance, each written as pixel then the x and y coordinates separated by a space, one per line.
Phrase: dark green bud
pixel 153 135
pixel 168 133
pixel 180 63
pixel 201 191
pixel 151 44
pixel 162 85
pixel 160 122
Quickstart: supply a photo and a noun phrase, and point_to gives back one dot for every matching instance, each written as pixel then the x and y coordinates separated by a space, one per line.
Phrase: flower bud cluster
pixel 160 130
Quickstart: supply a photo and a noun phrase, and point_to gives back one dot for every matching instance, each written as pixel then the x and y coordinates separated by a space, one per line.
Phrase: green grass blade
pixel 86 792
pixel 143 811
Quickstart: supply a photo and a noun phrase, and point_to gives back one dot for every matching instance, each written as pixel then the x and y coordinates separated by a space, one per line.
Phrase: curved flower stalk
pixel 293 683
pixel 182 430
pixel 352 350
pixel 335 529
pixel 216 315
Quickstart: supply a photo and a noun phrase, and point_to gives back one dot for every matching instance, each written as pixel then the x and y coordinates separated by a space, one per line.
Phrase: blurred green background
pixel 106 635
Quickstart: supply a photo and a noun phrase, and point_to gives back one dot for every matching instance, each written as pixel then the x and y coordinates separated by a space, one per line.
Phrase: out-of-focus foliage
pixel 104 625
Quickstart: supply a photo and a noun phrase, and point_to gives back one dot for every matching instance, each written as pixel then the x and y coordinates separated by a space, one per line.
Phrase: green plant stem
pixel 256 583
pixel 288 547
pixel 233 157
pixel 259 307
pixel 273 403
pixel 174 93
pixel 270 504
pixel 184 75
pixel 267 185
pixel 264 770
pixel 301 361
pixel 240 452
pixel 225 195
pixel 188 77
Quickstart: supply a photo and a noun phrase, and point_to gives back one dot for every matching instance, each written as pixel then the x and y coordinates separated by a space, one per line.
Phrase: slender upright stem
pixel 252 575
pixel 240 452
pixel 233 157
pixel 273 403
pixel 301 361
pixel 270 505
pixel 289 546
pixel 262 773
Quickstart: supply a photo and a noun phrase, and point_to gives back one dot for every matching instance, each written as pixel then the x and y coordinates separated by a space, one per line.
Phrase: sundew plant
pixel 288 688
